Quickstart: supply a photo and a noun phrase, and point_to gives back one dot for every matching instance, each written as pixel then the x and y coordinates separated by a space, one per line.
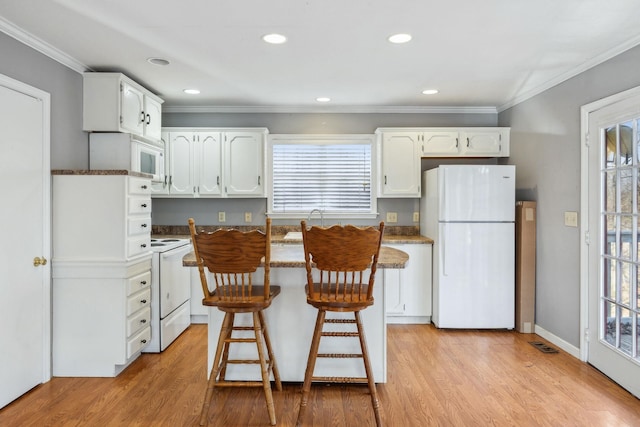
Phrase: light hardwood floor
pixel 435 378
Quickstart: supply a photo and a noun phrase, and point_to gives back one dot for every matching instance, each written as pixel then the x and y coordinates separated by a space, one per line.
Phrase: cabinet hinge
pixel 587 238
pixel 121 120
pixel 587 142
pixel 586 335
pixel 121 87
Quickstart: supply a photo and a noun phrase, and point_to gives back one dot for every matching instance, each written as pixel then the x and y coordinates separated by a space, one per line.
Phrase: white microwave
pixel 125 151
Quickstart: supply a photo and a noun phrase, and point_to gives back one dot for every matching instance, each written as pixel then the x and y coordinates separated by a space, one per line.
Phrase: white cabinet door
pixel 244 172
pixel 208 160
pixel 132 109
pixel 408 290
pixel 162 188
pixel 180 170
pixel 400 165
pixel 445 142
pixel 481 142
pixel 393 292
pixel 152 118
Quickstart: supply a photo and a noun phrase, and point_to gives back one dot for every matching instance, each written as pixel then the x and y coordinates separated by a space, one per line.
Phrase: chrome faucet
pixel 321 216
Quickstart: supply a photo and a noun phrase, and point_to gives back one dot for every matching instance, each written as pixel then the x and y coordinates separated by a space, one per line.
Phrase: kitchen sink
pixel 293 235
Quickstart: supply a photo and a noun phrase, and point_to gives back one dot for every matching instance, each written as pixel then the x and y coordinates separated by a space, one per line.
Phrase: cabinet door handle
pixel 142 117
pixel 385 180
pixel 467 142
pixel 144 226
pixel 258 179
pixel 144 282
pixel 144 187
pixel 143 301
pixel 144 205
pixel 144 245
pixel 143 321
pixel 148 119
pixel 456 142
pixel 218 180
pixel 143 341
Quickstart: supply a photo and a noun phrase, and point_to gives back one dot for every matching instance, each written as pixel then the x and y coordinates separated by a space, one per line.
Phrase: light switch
pixel 247 217
pixel 222 217
pixel 416 216
pixel 571 219
pixel 392 216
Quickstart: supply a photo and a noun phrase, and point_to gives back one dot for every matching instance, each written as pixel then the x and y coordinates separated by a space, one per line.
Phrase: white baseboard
pixel 569 348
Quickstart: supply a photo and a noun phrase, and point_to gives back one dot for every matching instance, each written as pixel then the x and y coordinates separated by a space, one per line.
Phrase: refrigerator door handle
pixel 443 249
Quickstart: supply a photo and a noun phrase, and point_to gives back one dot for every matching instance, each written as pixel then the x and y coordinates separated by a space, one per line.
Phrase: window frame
pixel 329 139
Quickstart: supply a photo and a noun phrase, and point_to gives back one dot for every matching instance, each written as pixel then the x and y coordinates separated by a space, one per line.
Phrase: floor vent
pixel 543 347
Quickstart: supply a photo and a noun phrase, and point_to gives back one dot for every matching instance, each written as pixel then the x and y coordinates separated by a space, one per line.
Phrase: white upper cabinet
pixel 112 102
pixel 457 142
pixel 211 162
pixel 399 164
pixel 244 166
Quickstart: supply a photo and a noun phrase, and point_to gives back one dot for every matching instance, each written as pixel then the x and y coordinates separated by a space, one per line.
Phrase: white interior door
pixel 25 228
pixel 612 264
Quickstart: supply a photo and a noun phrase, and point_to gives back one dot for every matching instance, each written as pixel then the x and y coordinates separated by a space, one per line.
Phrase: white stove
pixel 170 292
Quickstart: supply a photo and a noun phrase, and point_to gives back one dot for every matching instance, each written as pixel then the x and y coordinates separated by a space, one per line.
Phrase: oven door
pixel 175 280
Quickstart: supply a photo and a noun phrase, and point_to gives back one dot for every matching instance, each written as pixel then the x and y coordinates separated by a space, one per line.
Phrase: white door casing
pixel 610 268
pixel 25 291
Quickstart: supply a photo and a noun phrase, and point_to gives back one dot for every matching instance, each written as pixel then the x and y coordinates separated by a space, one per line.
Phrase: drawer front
pixel 139 282
pixel 139 185
pixel 138 342
pixel 138 321
pixel 140 225
pixel 138 244
pixel 139 205
pixel 137 301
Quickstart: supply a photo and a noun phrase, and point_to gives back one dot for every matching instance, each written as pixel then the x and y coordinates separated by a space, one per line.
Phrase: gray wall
pixel 69 144
pixel 205 211
pixel 545 147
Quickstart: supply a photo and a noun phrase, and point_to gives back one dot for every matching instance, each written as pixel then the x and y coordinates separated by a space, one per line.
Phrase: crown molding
pixel 41 46
pixel 597 60
pixel 328 110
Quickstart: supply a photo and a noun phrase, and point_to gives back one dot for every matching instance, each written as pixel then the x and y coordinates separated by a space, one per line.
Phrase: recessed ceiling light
pixel 399 38
pixel 158 61
pixel 430 91
pixel 192 91
pixel 274 38
pixel 323 99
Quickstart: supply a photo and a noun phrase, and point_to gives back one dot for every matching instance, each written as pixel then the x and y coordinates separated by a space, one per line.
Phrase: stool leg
pixel 272 358
pixel 264 368
pixel 367 368
pixel 225 351
pixel 225 331
pixel 311 364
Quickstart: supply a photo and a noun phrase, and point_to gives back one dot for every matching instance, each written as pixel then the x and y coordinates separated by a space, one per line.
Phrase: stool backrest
pixel 341 254
pixel 232 257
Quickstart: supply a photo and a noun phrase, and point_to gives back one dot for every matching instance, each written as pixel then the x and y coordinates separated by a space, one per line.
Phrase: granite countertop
pixel 279 239
pixel 292 256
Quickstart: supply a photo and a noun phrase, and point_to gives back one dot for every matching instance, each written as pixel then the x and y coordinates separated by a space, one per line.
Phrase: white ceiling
pixel 480 54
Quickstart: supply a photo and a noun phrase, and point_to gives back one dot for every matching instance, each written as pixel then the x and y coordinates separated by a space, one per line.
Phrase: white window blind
pixel 334 176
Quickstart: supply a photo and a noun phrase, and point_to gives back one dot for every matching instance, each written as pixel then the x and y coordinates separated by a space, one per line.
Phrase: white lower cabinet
pixel 101 270
pixel 408 290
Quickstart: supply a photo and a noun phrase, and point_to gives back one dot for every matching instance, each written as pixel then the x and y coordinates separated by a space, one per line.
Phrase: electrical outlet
pixel 571 219
pixel 247 217
pixel 392 217
pixel 222 217
pixel 416 216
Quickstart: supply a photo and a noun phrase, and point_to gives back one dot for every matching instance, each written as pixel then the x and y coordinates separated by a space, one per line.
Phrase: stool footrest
pixel 239 384
pixel 354 380
pixel 339 321
pixel 340 355
pixel 241 340
pixel 245 362
pixel 340 334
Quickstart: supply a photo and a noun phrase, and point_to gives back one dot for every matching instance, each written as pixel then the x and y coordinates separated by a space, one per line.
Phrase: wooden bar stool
pixel 232 257
pixel 341 256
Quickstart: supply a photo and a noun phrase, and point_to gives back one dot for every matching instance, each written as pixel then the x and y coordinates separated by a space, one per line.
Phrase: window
pixel 329 172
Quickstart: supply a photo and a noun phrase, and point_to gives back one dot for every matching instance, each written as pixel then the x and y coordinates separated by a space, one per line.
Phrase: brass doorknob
pixel 39 261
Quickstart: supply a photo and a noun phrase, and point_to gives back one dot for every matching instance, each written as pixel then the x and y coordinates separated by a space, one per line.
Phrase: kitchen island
pixel 291 321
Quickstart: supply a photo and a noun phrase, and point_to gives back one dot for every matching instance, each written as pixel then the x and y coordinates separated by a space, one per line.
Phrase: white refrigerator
pixel 469 212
